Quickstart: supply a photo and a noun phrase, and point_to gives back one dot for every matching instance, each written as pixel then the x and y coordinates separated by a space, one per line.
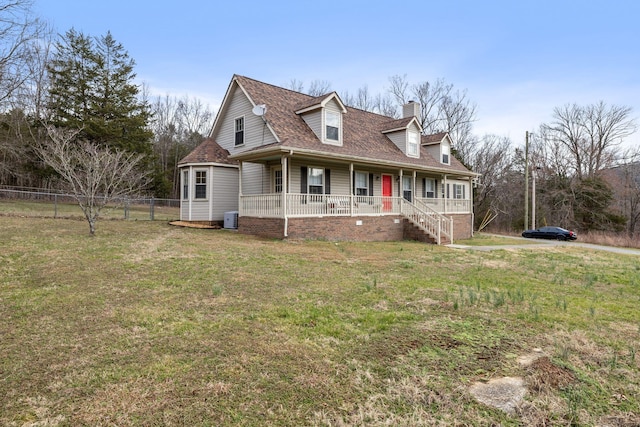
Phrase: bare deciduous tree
pixel 442 108
pixel 18 29
pixel 95 176
pixel 590 135
pixel 317 87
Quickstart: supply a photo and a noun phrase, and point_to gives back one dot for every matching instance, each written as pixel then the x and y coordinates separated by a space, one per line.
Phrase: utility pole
pixel 526 180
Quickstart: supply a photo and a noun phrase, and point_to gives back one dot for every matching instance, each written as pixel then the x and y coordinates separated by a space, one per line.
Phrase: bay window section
pixel 185 185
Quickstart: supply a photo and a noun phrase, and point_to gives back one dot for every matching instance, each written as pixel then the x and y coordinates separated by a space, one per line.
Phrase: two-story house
pixel 299 166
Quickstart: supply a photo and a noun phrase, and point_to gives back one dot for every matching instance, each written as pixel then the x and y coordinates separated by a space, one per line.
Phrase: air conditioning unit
pixel 231 219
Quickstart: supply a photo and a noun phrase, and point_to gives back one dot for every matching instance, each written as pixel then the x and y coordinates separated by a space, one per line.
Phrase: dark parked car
pixel 556 233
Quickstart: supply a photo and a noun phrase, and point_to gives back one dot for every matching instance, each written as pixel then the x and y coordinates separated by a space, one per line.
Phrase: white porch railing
pixel 300 205
pixel 429 220
pixel 448 205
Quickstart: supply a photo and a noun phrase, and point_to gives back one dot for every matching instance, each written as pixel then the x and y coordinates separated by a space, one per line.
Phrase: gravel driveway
pixel 539 243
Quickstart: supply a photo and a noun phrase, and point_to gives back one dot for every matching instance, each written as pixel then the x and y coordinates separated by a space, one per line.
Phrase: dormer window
pixel 412 144
pixel 332 126
pixel 445 154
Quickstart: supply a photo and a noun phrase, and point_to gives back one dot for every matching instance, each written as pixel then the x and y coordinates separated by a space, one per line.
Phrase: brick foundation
pixel 347 228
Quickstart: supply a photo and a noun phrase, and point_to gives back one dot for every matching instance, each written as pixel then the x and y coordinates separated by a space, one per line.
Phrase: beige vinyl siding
pixel 225 192
pixel 255 178
pixel 434 150
pixel 340 180
pixel 256 132
pixel 313 119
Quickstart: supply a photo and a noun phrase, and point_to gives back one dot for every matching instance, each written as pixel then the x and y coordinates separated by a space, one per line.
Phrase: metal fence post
pixel 151 208
pixel 55 204
pixel 126 208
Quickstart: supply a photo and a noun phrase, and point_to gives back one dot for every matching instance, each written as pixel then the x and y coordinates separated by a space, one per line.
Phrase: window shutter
pixel 370 184
pixel 435 185
pixel 424 188
pixel 464 190
pixel 327 181
pixel 353 181
pixel 303 180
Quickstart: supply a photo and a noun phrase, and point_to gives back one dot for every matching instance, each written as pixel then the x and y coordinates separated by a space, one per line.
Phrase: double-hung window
pixel 445 154
pixel 201 185
pixel 239 130
pixel 430 188
pixel 185 185
pixel 332 125
pixel 407 182
pixel 315 180
pixel 412 144
pixel 277 180
pixel 362 184
pixel 458 191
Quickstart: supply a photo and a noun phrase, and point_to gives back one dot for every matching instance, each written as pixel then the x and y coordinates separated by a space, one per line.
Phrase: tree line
pixel 84 85
pixel 53 88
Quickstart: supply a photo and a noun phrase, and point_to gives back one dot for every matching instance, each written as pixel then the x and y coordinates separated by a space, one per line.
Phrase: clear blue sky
pixel 517 59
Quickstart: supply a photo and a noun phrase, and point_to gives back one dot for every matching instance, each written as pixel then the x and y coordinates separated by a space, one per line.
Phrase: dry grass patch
pixel 147 324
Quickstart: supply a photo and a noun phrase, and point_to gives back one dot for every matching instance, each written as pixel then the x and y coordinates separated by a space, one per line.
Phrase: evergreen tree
pixel 92 89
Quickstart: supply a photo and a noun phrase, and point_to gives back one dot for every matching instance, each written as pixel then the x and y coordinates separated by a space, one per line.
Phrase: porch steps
pixel 414 231
pixel 433 225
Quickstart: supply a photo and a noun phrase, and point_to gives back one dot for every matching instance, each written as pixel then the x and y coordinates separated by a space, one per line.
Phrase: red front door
pixel 387 192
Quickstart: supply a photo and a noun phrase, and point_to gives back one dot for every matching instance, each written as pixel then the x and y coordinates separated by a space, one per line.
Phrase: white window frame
pixel 277 188
pixel 197 176
pixel 458 191
pixel 430 187
pixel 185 184
pixel 338 116
pixel 445 154
pixel 236 131
pixel 310 169
pixel 358 188
pixel 407 179
pixel 413 144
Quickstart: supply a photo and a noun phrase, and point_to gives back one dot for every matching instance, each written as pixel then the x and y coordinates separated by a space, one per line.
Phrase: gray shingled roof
pixel 208 152
pixel 362 130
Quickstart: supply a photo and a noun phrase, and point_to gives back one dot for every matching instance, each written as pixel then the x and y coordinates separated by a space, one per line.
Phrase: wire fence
pixel 49 203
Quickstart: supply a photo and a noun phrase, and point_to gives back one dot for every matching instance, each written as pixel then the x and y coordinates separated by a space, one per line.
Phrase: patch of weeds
pixel 216 290
pixel 372 286
pixel 590 280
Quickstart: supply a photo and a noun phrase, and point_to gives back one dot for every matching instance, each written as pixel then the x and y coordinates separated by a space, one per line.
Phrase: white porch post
pixel 285 189
pixel 240 188
pixel 351 188
pixel 400 192
pixel 444 194
pixel 414 190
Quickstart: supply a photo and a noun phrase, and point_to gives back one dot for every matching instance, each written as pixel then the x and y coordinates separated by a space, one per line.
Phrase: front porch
pixel 352 217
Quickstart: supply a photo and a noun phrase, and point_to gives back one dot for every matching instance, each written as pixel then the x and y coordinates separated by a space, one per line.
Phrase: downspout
pixel 285 188
pixel 240 189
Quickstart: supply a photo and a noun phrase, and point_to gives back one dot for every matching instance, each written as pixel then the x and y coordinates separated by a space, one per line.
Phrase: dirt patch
pixel 544 374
